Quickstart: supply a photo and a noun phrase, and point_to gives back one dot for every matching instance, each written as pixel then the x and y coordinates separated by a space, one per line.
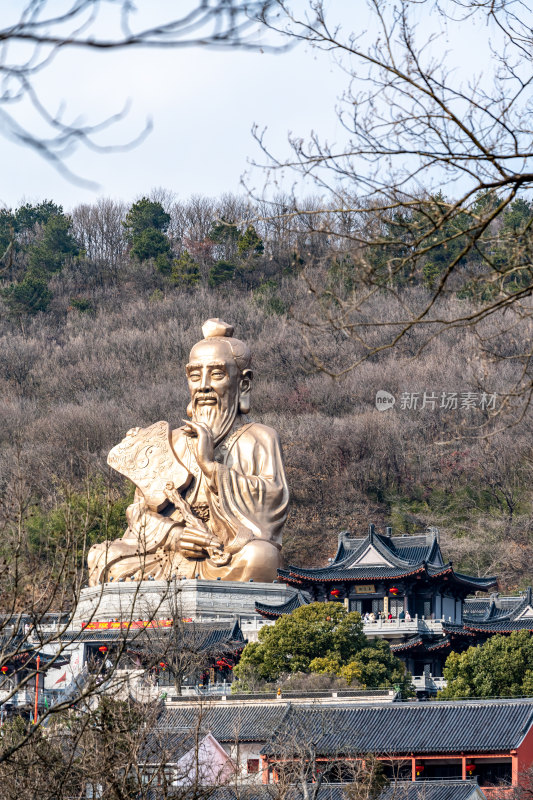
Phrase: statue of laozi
pixel 211 496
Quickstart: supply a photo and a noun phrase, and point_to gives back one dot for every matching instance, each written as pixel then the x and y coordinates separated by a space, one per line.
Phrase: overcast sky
pixel 203 104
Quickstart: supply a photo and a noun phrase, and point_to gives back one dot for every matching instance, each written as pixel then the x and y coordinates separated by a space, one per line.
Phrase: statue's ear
pixel 245 386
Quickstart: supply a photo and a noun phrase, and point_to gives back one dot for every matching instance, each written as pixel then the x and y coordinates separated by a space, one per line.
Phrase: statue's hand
pixel 194 542
pixel 205 446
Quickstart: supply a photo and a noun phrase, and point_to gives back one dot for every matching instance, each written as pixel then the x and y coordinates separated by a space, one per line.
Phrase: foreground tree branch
pixel 425 201
pixel 40 31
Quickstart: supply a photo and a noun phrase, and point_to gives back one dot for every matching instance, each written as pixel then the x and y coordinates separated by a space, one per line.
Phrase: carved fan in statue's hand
pixel 146 457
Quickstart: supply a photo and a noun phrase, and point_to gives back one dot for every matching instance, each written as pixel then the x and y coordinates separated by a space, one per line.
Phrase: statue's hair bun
pixel 216 328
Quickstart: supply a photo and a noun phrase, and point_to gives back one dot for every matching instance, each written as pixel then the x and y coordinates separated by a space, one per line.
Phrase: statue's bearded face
pixel 214 380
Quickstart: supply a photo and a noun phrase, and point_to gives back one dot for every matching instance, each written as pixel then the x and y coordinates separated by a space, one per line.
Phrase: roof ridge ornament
pixel 434 531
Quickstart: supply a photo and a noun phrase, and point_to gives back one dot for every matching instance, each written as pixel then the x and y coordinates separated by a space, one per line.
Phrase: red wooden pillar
pixel 413 769
pixel 264 769
pixel 463 767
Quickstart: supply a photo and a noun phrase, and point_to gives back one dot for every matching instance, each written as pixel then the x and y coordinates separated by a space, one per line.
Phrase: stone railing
pixel 427 683
pixel 403 627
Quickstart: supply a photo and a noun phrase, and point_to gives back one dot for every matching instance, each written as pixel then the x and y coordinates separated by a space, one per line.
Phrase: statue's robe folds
pixel 244 505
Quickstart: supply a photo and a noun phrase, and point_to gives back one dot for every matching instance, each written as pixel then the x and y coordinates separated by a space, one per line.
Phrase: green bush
pixel 29 296
pixel 221 272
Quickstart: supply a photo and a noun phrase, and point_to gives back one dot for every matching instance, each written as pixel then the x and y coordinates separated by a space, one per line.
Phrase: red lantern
pixel 419 769
pixel 394 590
pixel 470 769
pixel 103 649
pixel 162 664
pixel 4 669
pixel 335 592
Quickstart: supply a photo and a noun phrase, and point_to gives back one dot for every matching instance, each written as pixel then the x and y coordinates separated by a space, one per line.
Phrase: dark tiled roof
pixel 413 548
pixel 401 551
pixel 476 606
pixel 341 553
pixel 332 791
pixel 440 644
pixel 433 727
pixel 453 627
pixel 339 573
pixel 416 549
pixel 411 643
pixel 476 583
pixel 17 650
pixel 500 626
pixel 432 790
pixel 398 790
pixel 201 635
pixel 168 746
pixel 397 556
pixel 100 636
pixel 422 541
pixel 250 723
pixel 501 614
pixel 455 631
pixel 296 601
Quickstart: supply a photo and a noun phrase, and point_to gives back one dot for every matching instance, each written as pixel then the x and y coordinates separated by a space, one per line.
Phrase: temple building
pixel 407 594
pixel 491 740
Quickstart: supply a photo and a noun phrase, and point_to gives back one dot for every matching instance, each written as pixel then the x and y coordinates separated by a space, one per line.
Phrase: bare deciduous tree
pixel 429 187
pixel 99 231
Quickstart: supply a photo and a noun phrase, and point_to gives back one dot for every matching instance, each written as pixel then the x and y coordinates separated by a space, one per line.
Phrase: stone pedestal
pixel 198 600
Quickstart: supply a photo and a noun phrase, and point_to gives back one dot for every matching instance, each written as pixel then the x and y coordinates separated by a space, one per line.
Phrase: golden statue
pixel 211 496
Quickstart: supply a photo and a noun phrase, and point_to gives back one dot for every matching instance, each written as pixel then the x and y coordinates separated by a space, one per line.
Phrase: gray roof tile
pixel 203 635
pixel 250 723
pixel 399 790
pixel 432 790
pixel 474 726
pixel 297 600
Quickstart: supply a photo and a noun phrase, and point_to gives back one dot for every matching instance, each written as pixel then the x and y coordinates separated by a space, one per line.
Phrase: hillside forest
pixel 100 306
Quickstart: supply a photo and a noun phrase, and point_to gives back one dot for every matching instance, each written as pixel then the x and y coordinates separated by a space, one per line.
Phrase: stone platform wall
pixel 199 600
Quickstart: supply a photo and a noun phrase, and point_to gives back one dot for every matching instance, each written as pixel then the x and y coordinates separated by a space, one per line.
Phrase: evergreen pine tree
pixel 185 271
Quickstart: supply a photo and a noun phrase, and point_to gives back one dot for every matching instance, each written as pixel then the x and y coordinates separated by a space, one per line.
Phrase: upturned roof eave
pixel 298 575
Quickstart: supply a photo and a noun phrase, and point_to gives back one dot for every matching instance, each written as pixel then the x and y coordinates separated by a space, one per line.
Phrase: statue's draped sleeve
pixel 247 498
pixel 145 525
pixel 250 495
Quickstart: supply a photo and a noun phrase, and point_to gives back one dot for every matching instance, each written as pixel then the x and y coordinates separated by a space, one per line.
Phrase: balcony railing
pixel 25 697
pixel 427 683
pixel 403 627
